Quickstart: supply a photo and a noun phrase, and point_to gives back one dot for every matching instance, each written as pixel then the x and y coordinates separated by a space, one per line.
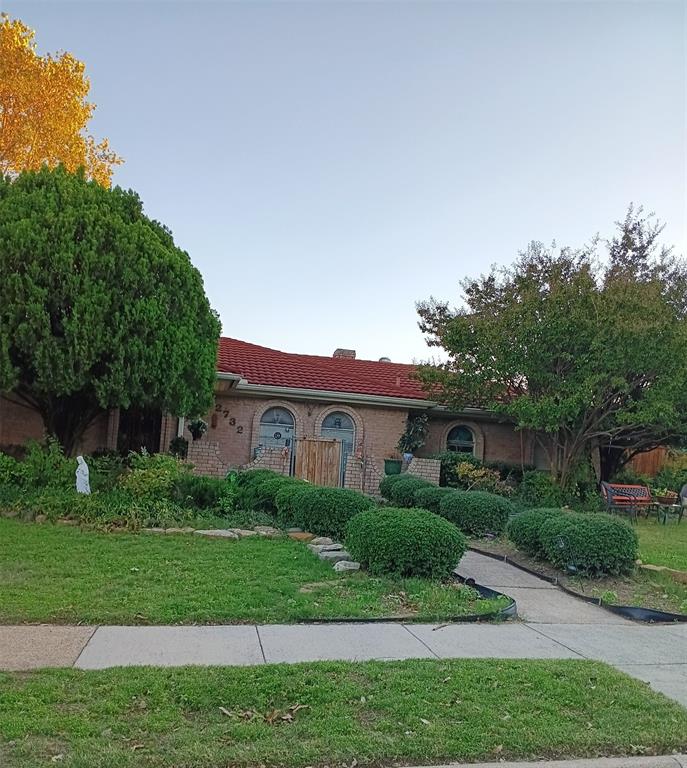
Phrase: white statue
pixel 82 480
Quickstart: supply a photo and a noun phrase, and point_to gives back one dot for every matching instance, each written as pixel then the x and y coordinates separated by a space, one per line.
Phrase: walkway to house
pixel 553 625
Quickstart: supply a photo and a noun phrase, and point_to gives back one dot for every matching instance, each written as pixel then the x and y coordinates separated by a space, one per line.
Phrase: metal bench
pixel 626 499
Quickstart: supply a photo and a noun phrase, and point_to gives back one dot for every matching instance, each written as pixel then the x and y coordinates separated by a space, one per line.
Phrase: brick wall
pixel 19 424
pixel 427 469
pixel 206 459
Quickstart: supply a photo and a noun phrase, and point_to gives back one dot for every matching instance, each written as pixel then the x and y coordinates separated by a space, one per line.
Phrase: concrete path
pixel 557 626
pixel 658 761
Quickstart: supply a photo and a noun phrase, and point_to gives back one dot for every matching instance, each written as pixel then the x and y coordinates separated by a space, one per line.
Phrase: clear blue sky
pixel 328 164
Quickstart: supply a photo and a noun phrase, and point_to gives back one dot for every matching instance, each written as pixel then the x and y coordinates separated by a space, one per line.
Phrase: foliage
pixel 524 529
pixel 44 109
pixel 44 466
pixel 9 468
pixel 475 478
pixel 429 497
pixel 388 482
pixel 448 470
pixel 179 447
pixel 578 350
pixel 266 491
pixel 476 512
pixel 539 489
pixel 592 545
pixel 403 492
pixel 414 434
pixel 247 485
pixel 197 428
pixel 405 542
pixel 326 511
pixel 288 504
pixel 98 308
pixel 152 476
pixel 247 519
pixel 671 477
pixel 198 491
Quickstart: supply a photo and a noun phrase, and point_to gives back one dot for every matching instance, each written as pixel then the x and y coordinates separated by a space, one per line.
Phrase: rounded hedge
pixel 287 503
pixel 593 545
pixel 403 491
pixel 387 483
pixel 524 529
pixel 430 497
pixel 323 511
pixel 405 542
pixel 476 512
pixel 265 492
pixel 247 483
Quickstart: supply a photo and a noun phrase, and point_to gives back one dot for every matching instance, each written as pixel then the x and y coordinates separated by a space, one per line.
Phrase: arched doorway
pixel 340 426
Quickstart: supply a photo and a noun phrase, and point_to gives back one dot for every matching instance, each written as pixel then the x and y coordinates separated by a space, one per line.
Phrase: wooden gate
pixel 319 461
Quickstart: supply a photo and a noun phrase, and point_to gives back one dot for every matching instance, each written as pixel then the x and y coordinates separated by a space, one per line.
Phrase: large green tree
pixel 98 307
pixel 587 352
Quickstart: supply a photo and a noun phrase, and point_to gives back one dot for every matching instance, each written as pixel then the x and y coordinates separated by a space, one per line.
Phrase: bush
pixel 403 492
pixel 247 485
pixel 524 529
pixel 593 545
pixel 326 511
pixel 199 492
pixel 46 466
pixel 248 518
pixel 405 542
pixel 152 476
pixel 9 468
pixel 430 497
pixel 538 489
pixel 476 512
pixel 448 472
pixel 388 483
pixel 265 492
pixel 288 504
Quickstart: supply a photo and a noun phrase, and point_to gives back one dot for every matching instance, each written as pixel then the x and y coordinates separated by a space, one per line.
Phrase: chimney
pixel 349 353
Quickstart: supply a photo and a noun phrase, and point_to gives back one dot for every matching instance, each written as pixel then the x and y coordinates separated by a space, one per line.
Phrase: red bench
pixel 626 499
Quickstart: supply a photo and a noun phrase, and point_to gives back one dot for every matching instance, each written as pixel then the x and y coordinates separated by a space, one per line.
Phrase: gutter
pixel 299 393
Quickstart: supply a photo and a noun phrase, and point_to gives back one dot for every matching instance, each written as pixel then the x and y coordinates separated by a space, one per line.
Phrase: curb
pixel 648 761
pixel 632 612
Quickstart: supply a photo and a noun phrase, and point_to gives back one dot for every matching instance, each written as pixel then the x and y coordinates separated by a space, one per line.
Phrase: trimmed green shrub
pixel 152 476
pixel 247 483
pixel 266 492
pixel 592 545
pixel 405 542
pixel 288 505
pixel 430 497
pixel 388 483
pixel 476 512
pixel 524 529
pixel 403 491
pixel 326 511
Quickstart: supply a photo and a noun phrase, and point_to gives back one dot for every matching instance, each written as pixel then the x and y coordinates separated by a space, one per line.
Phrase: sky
pixel 328 164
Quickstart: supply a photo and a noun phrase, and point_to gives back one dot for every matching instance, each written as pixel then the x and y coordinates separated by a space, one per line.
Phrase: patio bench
pixel 626 499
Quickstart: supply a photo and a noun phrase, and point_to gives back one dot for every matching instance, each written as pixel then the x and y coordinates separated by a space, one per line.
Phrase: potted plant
pixel 414 435
pixel 392 465
pixel 665 496
pixel 197 428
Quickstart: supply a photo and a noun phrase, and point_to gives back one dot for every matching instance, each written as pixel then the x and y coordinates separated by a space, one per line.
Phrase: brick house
pixel 330 419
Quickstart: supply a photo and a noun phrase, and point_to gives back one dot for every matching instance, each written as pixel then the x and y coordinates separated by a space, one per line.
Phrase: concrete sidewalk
pixel 655 654
pixel 557 626
pixel 660 761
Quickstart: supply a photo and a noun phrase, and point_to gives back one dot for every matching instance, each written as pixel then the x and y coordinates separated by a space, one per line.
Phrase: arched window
pixel 461 440
pixel 277 428
pixel 339 426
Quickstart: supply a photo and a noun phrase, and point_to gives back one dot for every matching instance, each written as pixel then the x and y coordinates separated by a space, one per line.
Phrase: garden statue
pixel 82 481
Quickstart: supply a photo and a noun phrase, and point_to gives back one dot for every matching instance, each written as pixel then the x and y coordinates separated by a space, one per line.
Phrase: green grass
pixel 372 712
pixel 55 574
pixel 663 544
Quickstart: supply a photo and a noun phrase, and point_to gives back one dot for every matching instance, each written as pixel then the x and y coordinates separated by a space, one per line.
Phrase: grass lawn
pixel 663 544
pixel 331 713
pixel 55 574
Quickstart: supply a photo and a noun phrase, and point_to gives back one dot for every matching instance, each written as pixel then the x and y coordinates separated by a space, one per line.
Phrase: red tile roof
pixel 261 365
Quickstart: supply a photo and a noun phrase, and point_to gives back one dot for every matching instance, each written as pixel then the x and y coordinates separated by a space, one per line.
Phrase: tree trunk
pixel 66 419
pixel 613 459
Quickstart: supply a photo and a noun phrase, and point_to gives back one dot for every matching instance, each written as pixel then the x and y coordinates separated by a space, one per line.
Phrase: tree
pixel 98 308
pixel 583 354
pixel 43 109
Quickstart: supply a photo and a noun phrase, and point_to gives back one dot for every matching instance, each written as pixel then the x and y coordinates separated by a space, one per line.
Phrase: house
pixel 331 419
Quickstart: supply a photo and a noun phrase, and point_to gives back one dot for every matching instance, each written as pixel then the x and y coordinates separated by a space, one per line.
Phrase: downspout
pixel 181 421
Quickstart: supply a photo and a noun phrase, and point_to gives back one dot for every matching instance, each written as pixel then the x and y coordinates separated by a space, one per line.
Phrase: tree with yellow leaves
pixel 43 109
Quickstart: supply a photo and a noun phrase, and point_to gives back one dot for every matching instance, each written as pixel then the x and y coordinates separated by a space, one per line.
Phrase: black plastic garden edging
pixel 632 612
pixel 509 612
